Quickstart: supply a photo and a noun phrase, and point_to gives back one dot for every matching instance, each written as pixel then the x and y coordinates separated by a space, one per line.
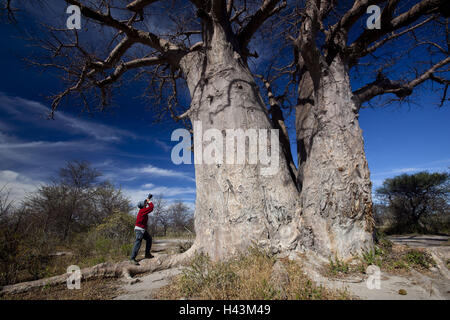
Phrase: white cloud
pixel 407 170
pixel 37 154
pixel 17 184
pixel 160 172
pixel 137 195
pixel 117 173
pixel 163 145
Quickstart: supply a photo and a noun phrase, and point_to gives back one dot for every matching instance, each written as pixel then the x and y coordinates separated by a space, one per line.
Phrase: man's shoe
pixel 133 261
pixel 149 256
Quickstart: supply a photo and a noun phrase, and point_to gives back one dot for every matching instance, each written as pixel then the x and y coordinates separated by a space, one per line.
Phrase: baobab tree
pixel 325 204
pixel 235 205
pixel 332 40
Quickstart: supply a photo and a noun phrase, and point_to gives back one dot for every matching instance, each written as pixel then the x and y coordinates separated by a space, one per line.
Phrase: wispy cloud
pixel 35 155
pixel 160 172
pixel 437 165
pixel 398 171
pixel 433 166
pixel 115 172
pixel 163 145
pixel 138 194
pixel 29 111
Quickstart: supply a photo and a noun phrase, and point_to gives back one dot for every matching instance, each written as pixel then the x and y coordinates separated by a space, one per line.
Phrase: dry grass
pixel 100 289
pixel 243 277
pixel 389 257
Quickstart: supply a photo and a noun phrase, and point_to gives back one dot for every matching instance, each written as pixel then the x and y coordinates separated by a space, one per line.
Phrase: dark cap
pixel 141 205
pixel 149 196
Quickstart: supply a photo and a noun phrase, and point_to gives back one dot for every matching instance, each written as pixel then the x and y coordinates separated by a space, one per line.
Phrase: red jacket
pixel 142 216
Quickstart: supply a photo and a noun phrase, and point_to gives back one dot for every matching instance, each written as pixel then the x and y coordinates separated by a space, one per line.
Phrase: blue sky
pixel 134 152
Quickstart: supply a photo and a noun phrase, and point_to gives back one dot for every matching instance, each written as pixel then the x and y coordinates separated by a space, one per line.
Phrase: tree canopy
pixel 414 198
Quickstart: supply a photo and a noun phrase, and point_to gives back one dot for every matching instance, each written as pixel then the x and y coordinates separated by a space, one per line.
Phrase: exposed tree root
pixel 106 270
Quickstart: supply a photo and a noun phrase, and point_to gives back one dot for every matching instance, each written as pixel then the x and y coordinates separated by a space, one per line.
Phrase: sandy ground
pixel 435 285
pixel 147 284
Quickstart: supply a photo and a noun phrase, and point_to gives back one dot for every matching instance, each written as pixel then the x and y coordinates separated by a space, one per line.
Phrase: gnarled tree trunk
pixel 236 205
pixel 333 174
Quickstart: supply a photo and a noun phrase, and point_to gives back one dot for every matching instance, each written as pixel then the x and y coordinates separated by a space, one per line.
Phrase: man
pixel 141 230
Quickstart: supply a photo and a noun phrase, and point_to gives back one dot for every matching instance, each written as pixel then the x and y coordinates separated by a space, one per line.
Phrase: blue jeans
pixel 137 243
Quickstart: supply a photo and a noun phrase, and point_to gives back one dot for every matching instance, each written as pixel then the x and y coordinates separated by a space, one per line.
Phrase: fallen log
pixel 123 269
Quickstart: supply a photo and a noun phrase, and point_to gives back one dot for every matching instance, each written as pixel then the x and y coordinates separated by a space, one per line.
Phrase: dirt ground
pixel 431 285
pixel 423 241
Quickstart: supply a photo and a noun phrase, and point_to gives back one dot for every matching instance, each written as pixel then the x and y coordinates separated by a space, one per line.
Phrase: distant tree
pixel 380 214
pixel 6 204
pixel 415 199
pixel 108 199
pixel 74 201
pixel 176 217
pixel 159 216
pixel 179 214
pixel 10 242
pixel 78 174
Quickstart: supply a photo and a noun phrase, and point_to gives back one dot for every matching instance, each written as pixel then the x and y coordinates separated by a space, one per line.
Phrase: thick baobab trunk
pixel 333 175
pixel 236 205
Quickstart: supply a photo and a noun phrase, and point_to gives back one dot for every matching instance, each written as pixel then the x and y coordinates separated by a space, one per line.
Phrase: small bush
pixel 338 266
pixel 111 240
pixel 419 259
pixel 398 258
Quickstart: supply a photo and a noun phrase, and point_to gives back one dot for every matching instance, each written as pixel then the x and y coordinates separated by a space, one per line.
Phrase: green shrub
pixel 112 240
pixel 419 259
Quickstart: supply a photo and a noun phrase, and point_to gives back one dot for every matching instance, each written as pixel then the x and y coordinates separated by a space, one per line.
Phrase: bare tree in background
pixel 175 217
pixel 179 214
pixel 159 216
pixel 324 205
pixel 73 202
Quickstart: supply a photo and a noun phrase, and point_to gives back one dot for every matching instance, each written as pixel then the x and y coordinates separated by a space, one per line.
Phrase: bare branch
pixel 133 64
pixel 279 123
pixel 358 48
pixel 393 36
pixel 383 85
pixel 358 9
pixel 219 10
pixel 230 5
pixel 306 41
pixel 138 5
pixel 267 9
pixel 172 51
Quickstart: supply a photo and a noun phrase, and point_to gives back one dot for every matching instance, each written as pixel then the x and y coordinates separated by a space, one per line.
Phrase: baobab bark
pixel 333 174
pixel 236 206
